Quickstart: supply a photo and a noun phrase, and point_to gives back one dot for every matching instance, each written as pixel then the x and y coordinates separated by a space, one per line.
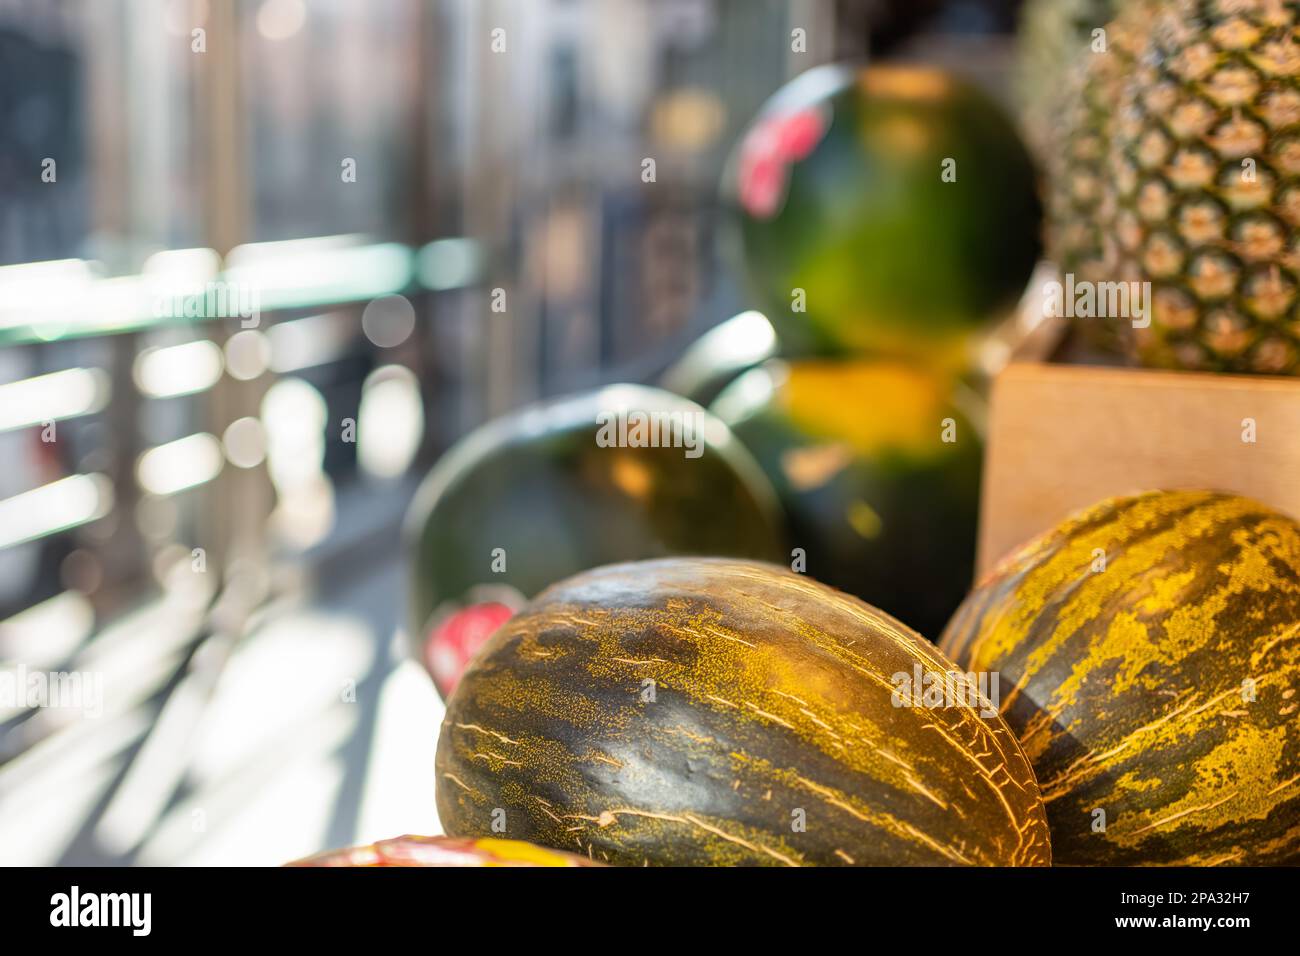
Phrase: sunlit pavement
pixel 309 732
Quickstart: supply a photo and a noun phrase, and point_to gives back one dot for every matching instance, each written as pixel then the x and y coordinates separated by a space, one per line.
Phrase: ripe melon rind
pixel 771 702
pixel 1130 691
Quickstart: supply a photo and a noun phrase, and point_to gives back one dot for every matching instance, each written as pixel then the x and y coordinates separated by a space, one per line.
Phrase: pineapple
pixel 1203 179
pixel 1054 37
pixel 1071 80
pixel 1078 210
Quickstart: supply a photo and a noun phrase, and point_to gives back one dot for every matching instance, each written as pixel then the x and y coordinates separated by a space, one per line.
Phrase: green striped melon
pixel 706 711
pixel 1149 653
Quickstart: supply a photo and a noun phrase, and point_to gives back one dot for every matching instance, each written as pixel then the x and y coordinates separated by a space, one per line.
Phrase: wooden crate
pixel 1062 437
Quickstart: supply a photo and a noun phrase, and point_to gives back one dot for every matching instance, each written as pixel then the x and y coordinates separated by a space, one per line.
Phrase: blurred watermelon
pixel 535 496
pixel 885 209
pixel 878 468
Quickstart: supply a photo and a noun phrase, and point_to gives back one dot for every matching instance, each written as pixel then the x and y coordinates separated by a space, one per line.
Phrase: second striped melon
pixel 1149 652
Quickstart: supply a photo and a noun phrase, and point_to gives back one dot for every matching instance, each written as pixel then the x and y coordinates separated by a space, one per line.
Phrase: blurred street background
pixel 248 256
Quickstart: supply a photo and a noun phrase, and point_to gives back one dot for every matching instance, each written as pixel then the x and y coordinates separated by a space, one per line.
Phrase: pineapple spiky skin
pixel 1054 36
pixel 1204 174
pixel 1079 208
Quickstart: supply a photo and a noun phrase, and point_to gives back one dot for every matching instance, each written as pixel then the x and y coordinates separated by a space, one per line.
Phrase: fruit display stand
pixel 1063 435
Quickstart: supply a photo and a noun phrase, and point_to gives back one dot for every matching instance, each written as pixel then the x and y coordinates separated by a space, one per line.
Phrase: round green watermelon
pixel 621 473
pixel 884 209
pixel 877 465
